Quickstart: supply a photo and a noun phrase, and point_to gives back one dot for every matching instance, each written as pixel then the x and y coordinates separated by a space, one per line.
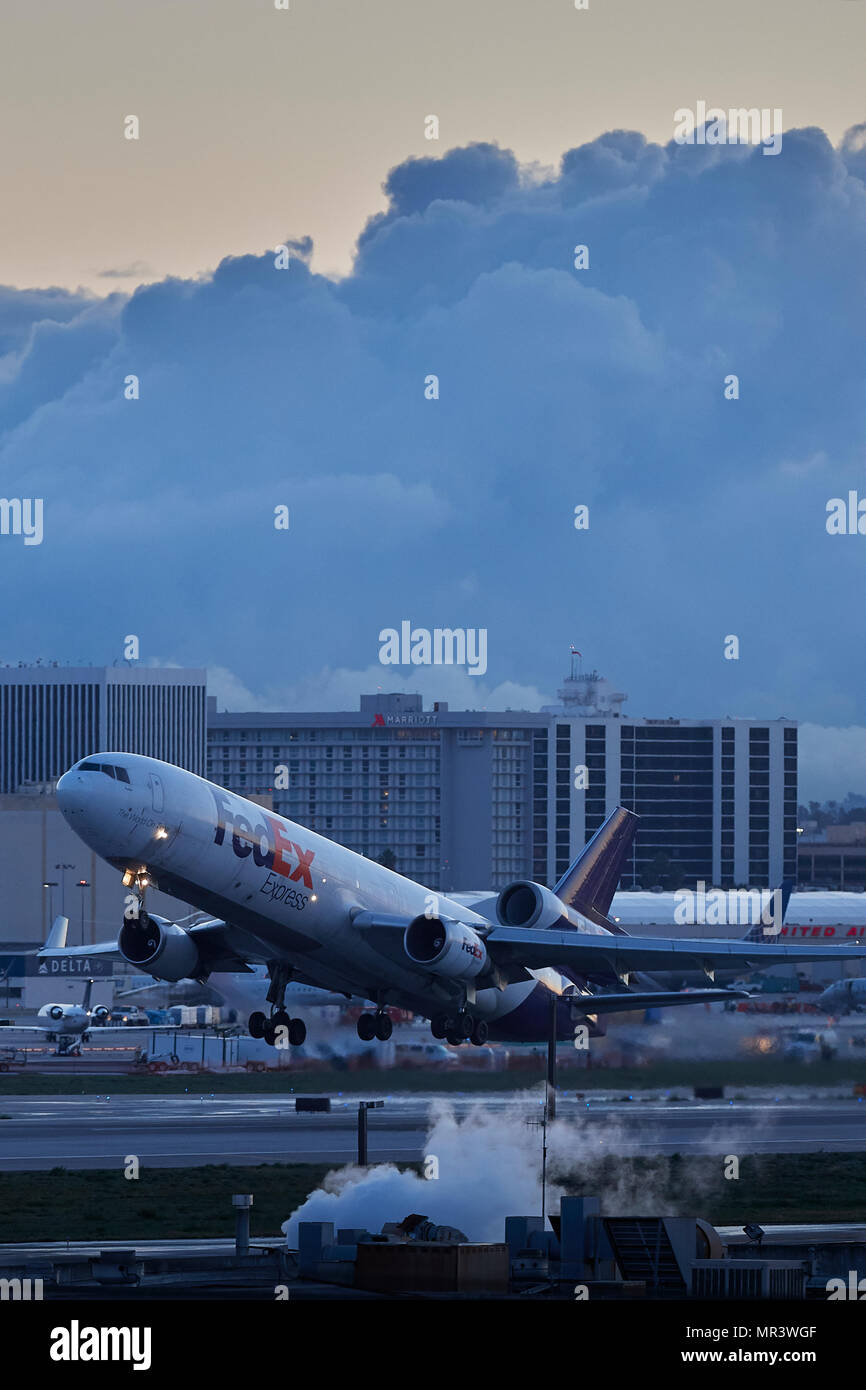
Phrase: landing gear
pixel 479 1033
pixel 261 1026
pixel 459 1028
pixel 297 1032
pixel 367 1027
pixel 439 1025
pixel 377 1025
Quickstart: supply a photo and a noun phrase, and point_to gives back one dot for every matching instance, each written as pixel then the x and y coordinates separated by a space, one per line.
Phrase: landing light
pixel 160 833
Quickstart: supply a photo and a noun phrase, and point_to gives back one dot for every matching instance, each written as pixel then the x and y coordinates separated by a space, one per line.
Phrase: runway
pixel 39 1133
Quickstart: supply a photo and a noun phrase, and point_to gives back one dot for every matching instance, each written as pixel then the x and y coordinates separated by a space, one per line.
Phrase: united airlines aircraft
pixel 315 912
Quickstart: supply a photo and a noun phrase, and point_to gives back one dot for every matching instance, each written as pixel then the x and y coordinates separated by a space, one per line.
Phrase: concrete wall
pixel 34 839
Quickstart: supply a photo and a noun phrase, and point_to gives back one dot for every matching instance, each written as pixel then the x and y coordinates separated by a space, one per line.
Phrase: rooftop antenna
pixel 574 653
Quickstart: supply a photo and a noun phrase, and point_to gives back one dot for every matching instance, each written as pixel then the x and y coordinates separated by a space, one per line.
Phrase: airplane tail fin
pixel 85 1003
pixel 57 935
pixel 590 882
pixel 759 931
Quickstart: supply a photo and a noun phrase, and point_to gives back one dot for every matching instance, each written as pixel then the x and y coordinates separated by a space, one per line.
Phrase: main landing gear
pixel 278 1026
pixel 377 1025
pixel 459 1028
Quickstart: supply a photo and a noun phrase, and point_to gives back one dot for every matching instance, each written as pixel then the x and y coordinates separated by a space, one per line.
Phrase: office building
pixel 474 799
pixel 50 716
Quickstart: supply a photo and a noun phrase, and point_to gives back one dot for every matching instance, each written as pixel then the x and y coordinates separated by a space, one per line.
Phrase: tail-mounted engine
pixel 526 904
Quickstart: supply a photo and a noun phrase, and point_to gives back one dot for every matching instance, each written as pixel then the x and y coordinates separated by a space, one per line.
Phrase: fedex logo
pixel 266 841
pixel 475 951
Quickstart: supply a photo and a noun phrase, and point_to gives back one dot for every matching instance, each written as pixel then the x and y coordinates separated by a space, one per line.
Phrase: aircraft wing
pixel 99 948
pixel 513 948
pixel 215 940
pixel 661 999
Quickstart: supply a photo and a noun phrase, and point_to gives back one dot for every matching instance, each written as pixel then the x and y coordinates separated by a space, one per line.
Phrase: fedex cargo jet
pixel 313 911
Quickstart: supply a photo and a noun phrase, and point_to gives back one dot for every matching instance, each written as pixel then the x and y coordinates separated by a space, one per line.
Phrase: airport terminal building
pixel 474 799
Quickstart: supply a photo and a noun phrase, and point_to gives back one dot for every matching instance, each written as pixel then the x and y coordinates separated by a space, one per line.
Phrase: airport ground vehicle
pixel 424 1054
pixel 810 1045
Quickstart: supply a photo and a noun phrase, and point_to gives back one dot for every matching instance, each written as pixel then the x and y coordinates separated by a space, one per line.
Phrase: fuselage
pixel 289 894
pixel 64 1020
pixel 845 996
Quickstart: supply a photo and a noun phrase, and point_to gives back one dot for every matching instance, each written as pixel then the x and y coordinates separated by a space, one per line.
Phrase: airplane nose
pixel 70 794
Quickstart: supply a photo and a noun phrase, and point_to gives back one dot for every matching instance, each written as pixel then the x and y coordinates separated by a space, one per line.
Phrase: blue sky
pixel 603 386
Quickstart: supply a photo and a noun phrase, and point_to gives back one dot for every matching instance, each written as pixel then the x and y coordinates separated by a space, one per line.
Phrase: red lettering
pixel 829 931
pixel 282 843
pixel 305 859
pixel 816 931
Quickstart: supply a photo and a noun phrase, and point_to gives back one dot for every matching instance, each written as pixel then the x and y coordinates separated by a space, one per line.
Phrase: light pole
pixel 63 868
pixel 82 883
pixel 51 885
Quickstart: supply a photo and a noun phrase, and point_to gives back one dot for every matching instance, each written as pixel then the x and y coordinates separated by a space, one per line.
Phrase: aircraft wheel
pixel 454 1037
pixel 269 1032
pixel 297 1032
pixel 384 1027
pixel 281 1019
pixel 366 1027
pixel 256 1025
pixel 464 1025
pixel 479 1033
pixel 439 1025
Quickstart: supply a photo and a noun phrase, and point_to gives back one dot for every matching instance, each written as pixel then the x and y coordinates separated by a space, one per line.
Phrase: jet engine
pixel 55 1012
pixel 526 904
pixel 161 947
pixel 100 1014
pixel 445 947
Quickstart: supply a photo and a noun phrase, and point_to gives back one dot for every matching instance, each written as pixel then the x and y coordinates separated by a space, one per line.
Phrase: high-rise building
pixel 50 716
pixel 474 799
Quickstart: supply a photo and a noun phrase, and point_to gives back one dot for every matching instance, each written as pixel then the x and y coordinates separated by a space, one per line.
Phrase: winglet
pixel 589 884
pixel 57 935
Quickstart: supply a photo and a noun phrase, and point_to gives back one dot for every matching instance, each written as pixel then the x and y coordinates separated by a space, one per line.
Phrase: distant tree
pixel 387 859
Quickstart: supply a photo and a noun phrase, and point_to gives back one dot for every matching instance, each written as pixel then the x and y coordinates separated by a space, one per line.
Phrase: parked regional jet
pixel 312 910
pixel 843 997
pixel 67 1024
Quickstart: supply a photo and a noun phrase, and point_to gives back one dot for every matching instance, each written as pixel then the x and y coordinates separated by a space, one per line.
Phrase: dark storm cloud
pixel 557 387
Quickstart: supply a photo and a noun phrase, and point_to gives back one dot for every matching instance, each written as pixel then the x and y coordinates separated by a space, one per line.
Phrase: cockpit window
pixel 120 773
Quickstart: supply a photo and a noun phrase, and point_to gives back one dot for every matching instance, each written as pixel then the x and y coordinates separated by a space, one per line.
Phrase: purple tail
pixel 589 884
